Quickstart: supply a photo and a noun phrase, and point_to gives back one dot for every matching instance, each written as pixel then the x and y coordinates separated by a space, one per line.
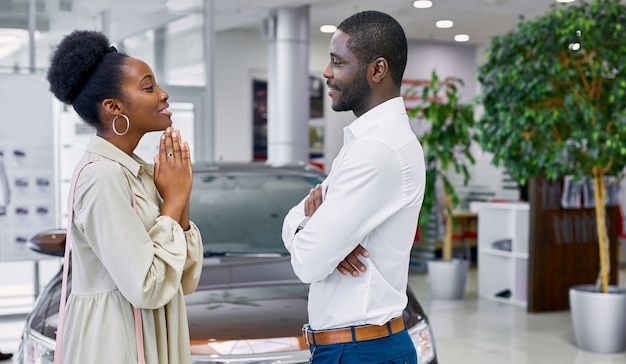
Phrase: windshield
pixel 243 213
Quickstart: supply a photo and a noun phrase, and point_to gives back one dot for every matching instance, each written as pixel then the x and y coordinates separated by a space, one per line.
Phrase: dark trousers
pixel 395 349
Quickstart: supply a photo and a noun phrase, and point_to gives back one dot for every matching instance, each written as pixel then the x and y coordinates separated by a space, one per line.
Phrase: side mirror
pixel 49 242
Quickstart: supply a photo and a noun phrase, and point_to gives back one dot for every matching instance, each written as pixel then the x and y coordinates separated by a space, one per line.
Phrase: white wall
pixel 448 60
pixel 239 54
pixel 27 146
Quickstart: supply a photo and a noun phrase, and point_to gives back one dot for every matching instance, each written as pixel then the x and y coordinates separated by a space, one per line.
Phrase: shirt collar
pixel 380 112
pixel 101 146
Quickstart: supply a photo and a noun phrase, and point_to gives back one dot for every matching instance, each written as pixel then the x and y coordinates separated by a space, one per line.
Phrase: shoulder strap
pixel 137 313
pixel 58 352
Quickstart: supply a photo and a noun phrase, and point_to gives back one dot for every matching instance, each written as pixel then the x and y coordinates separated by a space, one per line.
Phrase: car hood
pixel 250 320
pixel 244 305
pixel 247 305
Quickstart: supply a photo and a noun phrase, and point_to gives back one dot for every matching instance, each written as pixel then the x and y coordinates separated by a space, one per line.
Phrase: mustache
pixel 332 86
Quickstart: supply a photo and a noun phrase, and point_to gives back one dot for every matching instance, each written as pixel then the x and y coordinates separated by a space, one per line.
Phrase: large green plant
pixel 554 95
pixel 446 144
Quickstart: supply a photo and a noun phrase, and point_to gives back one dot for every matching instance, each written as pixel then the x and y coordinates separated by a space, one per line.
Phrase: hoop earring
pixel 127 124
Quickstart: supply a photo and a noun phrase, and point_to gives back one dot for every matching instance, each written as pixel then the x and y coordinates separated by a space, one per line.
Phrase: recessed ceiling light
pixel 422 4
pixel 565 1
pixel 328 28
pixel 444 24
pixel 461 37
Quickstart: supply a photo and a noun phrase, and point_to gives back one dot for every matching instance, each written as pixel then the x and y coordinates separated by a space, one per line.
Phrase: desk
pixel 464 233
pixel 465 225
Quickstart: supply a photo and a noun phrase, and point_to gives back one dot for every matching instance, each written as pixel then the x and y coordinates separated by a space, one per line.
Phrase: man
pixel 367 207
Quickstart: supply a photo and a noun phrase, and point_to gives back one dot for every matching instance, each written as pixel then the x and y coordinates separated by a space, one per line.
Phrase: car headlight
pixel 37 349
pixel 423 340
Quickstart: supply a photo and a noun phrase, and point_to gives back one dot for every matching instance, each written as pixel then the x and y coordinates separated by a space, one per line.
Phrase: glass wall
pixel 184 52
pixel 140 46
pixel 174 51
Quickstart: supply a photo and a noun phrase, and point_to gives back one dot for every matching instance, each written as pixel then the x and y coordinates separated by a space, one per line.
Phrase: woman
pixel 133 243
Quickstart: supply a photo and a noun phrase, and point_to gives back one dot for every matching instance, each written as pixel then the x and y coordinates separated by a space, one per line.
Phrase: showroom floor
pixel 466 331
pixel 482 331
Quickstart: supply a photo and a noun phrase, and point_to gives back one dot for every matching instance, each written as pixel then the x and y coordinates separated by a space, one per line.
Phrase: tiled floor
pixel 477 330
pixel 467 331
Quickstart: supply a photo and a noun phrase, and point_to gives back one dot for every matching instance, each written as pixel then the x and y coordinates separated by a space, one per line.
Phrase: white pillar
pixel 159 55
pixel 105 22
pixel 204 127
pixel 288 88
pixel 32 27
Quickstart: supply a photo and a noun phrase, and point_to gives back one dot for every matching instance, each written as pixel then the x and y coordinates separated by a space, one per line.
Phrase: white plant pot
pixel 599 319
pixel 447 279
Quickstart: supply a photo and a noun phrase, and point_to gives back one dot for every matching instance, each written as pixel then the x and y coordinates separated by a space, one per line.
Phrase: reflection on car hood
pixel 250 320
pixel 247 305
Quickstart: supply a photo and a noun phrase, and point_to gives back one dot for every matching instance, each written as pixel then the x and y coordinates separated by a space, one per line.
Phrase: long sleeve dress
pixel 123 258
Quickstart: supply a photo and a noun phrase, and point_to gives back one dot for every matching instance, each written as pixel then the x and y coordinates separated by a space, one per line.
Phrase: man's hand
pixel 352 264
pixel 313 200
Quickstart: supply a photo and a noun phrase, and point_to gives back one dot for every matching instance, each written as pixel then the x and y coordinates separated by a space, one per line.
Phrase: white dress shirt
pixel 373 195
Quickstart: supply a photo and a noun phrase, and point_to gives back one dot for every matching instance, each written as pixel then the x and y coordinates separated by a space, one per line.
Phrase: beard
pixel 351 95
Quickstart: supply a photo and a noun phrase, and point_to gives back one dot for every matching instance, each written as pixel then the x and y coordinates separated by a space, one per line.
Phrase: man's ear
pixel 379 69
pixel 111 107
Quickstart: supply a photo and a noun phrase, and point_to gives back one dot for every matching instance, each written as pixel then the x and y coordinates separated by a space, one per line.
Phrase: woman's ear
pixel 380 68
pixel 111 107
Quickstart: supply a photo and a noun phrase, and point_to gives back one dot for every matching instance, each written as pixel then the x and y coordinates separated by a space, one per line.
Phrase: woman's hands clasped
pixel 173 175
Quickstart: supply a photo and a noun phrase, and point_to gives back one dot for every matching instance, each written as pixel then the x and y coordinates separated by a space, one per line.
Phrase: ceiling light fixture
pixel 443 24
pixel 422 4
pixel 461 37
pixel 565 1
pixel 328 28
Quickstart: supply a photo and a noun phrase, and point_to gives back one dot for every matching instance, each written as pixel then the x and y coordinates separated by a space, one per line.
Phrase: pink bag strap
pixel 58 351
pixel 137 313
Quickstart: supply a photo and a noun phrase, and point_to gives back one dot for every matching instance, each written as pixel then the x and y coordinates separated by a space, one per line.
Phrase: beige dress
pixel 122 258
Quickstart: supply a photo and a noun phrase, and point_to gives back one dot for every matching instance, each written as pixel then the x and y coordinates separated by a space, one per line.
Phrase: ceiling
pixel 480 19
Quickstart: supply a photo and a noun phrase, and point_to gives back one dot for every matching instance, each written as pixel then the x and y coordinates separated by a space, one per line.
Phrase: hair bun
pixel 74 60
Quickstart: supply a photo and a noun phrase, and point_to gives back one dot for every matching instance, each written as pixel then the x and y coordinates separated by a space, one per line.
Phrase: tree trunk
pixel 447 237
pixel 599 192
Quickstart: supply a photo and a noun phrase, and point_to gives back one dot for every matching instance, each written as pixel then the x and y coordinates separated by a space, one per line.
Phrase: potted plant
pixel 554 97
pixel 446 144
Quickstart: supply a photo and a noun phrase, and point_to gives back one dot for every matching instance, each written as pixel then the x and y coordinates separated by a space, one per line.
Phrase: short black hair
pixel 84 71
pixel 375 34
